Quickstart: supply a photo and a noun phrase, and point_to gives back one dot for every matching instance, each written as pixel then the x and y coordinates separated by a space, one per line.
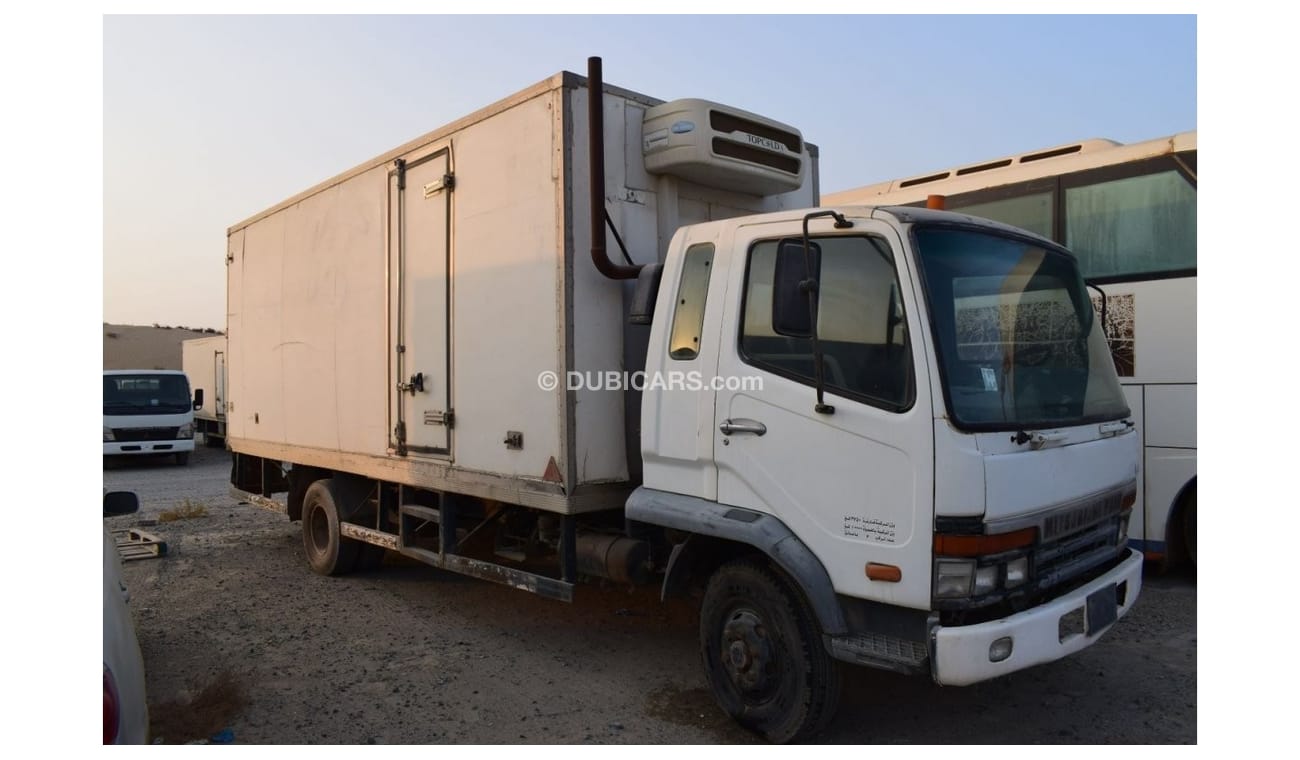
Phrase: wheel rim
pixel 747 655
pixel 318 529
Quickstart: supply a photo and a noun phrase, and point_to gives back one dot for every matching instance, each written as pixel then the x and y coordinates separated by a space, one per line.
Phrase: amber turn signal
pixel 979 546
pixel 887 573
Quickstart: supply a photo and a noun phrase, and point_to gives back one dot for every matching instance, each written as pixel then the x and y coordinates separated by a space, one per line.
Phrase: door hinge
pixel 399 434
pixel 448 183
pixel 400 165
pixel 447 418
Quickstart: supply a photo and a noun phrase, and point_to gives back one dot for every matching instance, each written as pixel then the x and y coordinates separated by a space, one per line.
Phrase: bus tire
pixel 763 654
pixel 327 551
pixel 1189 526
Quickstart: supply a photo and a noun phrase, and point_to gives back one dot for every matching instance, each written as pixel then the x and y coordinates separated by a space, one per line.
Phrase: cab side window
pixel 861 325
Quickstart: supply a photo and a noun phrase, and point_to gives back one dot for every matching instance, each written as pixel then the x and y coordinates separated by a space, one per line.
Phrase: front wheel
pixel 182 458
pixel 763 654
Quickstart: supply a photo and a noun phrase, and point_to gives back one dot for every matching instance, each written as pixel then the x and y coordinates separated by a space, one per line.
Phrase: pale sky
pixel 208 120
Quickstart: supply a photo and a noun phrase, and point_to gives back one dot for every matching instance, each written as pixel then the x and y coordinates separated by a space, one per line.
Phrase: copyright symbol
pixel 548 380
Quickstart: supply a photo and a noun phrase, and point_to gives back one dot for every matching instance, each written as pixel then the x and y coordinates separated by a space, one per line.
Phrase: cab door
pixel 854 481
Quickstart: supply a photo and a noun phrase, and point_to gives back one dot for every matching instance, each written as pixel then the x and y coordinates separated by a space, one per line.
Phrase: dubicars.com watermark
pixel 673 380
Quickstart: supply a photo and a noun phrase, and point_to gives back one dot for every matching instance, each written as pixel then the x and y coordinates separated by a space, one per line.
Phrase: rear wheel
pixel 763 654
pixel 1189 526
pixel 327 552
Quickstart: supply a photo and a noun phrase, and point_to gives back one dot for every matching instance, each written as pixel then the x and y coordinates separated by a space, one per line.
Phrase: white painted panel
pixel 958 472
pixel 306 350
pixel 1019 483
pixel 1171 415
pixel 598 302
pixel 507 272
pixel 357 314
pixel 257 409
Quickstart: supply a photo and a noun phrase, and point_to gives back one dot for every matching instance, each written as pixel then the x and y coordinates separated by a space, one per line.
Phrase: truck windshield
pixel 1019 344
pixel 146 394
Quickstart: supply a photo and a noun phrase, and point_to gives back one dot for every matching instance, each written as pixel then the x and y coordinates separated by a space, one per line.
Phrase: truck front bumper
pixel 127 448
pixel 963 655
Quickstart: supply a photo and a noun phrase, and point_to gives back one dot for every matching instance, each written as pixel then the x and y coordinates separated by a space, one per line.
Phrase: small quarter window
pixel 688 316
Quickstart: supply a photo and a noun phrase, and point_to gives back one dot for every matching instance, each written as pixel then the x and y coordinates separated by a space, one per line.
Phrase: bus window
pixel 1028 212
pixel 1132 226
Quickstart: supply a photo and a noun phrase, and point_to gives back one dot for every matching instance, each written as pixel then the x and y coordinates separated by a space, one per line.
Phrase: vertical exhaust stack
pixel 596 161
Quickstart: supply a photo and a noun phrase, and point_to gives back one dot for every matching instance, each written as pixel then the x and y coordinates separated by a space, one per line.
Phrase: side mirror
pixel 645 295
pixel 118 503
pixel 198 399
pixel 794 281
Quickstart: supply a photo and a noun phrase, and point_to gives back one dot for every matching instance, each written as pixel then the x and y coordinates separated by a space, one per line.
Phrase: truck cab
pixel 914 415
pixel 149 412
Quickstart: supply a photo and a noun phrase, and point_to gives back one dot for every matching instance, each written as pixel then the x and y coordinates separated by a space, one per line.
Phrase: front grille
pixel 1070 556
pixel 145 434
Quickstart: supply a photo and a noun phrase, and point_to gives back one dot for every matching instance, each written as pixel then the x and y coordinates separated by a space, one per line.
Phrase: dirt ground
pixel 409 654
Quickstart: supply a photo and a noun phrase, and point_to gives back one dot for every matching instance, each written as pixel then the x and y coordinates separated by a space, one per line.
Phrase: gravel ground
pixel 409 654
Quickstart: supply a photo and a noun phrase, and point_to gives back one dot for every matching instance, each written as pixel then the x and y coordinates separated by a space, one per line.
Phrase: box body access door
pixel 419 257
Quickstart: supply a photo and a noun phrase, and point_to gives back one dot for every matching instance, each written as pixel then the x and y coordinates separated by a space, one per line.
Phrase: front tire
pixel 327 552
pixel 763 654
pixel 182 458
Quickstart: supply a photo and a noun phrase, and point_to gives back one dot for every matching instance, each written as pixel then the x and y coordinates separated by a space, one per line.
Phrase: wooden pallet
pixel 133 544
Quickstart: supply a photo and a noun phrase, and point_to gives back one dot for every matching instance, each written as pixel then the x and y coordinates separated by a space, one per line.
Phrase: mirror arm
pixel 810 287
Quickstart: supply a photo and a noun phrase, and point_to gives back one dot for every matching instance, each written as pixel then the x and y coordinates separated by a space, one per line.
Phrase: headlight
pixel 1017 572
pixel 1121 539
pixel 186 431
pixel 953 578
pixel 108 433
pixel 986 579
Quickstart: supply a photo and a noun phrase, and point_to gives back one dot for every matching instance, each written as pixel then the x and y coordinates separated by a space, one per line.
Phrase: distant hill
pixel 140 347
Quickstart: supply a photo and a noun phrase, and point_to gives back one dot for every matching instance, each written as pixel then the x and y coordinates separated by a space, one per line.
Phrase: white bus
pixel 1129 213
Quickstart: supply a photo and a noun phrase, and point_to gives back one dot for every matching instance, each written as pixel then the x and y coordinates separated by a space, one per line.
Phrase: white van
pixel 149 412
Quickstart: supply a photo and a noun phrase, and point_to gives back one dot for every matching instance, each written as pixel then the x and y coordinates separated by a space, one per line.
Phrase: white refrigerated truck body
pixel 204 362
pixel 488 286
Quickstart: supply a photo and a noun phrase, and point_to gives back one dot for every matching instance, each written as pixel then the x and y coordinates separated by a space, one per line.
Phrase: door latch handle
pixel 416 384
pixel 728 427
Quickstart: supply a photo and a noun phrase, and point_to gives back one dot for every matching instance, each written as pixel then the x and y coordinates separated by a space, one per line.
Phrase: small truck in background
pixel 149 412
pixel 204 362
pixel 876 436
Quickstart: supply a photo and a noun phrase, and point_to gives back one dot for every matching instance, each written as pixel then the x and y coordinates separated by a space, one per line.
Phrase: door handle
pixel 729 427
pixel 416 384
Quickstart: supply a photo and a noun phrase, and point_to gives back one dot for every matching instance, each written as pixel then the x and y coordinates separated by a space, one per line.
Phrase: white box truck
pixel 888 437
pixel 204 362
pixel 149 412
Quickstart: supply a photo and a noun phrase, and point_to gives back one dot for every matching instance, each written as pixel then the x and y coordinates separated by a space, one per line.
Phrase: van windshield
pixel 146 394
pixel 1019 343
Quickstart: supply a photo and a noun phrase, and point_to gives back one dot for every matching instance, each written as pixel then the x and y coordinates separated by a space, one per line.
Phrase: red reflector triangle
pixel 552 473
